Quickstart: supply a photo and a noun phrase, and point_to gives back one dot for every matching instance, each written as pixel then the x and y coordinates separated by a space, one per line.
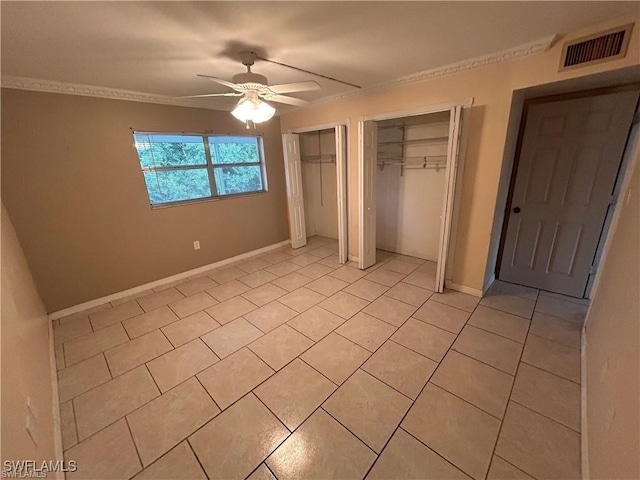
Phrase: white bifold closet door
pixel 295 197
pixel 367 183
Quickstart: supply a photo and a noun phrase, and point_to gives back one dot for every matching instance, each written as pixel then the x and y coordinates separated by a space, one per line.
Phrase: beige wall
pixel 613 349
pixel 72 183
pixel 26 362
pixel 492 87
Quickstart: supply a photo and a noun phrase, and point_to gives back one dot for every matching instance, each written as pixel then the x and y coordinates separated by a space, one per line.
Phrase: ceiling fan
pixel 254 89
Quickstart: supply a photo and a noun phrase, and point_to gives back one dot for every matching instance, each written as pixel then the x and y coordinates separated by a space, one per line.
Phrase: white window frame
pixel 209 166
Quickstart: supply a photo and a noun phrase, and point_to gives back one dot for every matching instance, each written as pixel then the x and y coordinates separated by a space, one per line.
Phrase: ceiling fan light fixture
pixel 252 109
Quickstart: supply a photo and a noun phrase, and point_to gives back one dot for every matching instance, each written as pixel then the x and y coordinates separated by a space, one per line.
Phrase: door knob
pixel 516 210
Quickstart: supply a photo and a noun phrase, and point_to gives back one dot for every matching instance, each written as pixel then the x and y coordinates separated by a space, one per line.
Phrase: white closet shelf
pixel 417 158
pixel 318 158
pixel 430 141
pixel 404 125
pixel 414 162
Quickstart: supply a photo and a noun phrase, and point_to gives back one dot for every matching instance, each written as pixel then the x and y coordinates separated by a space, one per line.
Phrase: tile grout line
pixel 155 383
pixel 195 454
pixel 431 449
pixel 264 462
pixel 515 376
pixel 126 422
pixel 545 416
pixel 209 394
pixel 414 402
pixel 508 462
pixel 361 366
pixel 510 313
pixel 124 417
pixel 550 373
pixel 483 363
pixel 555 341
pixel 377 455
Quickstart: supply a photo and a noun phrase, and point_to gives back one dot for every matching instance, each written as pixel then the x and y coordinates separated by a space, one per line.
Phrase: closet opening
pixel 319 183
pixel 408 174
pixel 315 168
pixel 412 161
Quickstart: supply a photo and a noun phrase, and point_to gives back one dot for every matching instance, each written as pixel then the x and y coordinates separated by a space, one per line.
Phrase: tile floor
pixel 290 365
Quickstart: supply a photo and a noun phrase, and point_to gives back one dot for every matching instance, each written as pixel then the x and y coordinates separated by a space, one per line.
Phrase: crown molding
pixel 50 86
pixel 508 55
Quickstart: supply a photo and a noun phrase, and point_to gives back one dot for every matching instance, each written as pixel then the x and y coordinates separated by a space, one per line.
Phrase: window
pixel 180 168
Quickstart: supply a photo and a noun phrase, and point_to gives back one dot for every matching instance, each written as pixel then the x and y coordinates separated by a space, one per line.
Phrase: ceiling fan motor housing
pixel 250 78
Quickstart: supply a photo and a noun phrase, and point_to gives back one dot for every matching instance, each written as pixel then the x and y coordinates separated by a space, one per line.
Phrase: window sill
pixel 183 203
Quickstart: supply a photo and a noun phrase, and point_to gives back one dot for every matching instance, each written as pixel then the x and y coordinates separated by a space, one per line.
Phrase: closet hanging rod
pixel 412 164
pixel 419 158
pixel 432 141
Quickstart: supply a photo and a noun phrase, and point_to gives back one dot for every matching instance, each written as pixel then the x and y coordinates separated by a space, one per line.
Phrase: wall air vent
pixel 601 47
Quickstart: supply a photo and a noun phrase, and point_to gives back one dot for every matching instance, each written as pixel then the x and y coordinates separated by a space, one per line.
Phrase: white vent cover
pixel 601 47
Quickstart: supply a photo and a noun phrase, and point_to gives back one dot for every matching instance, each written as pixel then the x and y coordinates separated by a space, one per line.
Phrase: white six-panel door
pixel 567 169
pixel 295 199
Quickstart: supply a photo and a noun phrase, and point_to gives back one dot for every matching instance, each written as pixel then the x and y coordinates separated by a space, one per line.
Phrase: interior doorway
pixel 562 190
pixel 408 171
pixel 315 169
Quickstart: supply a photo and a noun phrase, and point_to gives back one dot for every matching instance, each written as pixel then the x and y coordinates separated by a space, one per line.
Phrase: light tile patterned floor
pixel 290 365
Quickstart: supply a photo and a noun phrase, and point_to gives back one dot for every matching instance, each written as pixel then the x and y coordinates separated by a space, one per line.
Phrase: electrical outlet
pixel 196 245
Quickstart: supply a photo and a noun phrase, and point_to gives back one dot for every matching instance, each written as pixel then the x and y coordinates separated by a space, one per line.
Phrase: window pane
pixel 231 180
pixel 169 150
pixel 234 149
pixel 176 185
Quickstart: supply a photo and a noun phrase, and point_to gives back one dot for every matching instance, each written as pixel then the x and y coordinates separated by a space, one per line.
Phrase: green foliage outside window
pixel 176 167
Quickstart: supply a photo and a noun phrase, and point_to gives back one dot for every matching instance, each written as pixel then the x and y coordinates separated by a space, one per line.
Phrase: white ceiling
pixel 158 47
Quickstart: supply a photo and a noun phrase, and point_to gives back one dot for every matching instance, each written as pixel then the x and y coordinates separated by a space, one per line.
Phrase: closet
pixel 319 183
pixel 408 175
pixel 412 160
pixel 316 174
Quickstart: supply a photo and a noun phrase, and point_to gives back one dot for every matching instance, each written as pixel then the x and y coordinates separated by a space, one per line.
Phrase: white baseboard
pixel 584 441
pixel 57 423
pixel 463 288
pixel 353 258
pixel 158 283
pixel 487 285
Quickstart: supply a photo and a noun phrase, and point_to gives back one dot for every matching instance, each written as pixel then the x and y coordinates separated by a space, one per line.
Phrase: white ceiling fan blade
pixel 235 87
pixel 214 95
pixel 288 100
pixel 295 87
